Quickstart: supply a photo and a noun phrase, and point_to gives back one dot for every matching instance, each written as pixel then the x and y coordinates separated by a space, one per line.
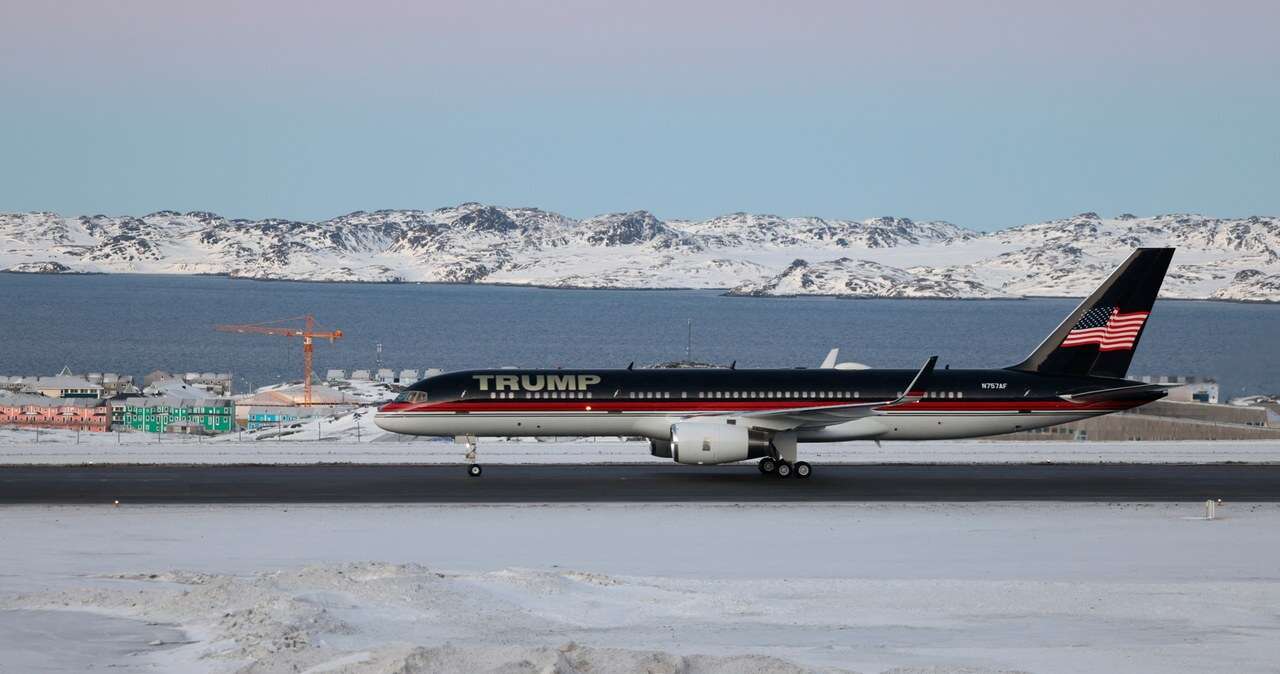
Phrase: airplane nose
pixel 389 417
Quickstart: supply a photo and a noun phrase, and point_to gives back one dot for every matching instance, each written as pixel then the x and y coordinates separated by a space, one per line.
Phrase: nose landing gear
pixel 474 469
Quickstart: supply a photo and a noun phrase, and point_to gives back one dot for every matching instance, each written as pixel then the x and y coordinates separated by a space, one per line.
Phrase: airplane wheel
pixel 474 470
pixel 783 469
pixel 767 465
pixel 803 470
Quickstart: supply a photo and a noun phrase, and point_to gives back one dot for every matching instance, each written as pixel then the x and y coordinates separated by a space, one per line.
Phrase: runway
pixel 635 483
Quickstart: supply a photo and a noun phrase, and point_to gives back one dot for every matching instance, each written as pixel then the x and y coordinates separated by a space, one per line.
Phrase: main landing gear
pixel 783 468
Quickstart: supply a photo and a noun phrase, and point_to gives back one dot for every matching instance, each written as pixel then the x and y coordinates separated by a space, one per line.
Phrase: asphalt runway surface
pixel 336 483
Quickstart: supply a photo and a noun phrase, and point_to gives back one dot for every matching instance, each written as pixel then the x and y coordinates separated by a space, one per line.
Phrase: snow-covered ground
pixel 663 588
pixel 335 441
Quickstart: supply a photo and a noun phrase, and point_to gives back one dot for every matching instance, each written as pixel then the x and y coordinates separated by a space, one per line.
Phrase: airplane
pixel 725 415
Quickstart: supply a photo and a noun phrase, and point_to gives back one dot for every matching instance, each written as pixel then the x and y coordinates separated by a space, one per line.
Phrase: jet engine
pixel 697 442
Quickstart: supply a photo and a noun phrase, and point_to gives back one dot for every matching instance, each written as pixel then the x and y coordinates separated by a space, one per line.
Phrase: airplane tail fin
pixel 1100 336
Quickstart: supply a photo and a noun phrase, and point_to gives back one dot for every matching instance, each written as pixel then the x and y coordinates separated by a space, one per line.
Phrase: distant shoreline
pixel 724 292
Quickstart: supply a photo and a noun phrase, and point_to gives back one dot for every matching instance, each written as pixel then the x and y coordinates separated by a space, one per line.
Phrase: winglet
pixel 916 390
pixel 830 361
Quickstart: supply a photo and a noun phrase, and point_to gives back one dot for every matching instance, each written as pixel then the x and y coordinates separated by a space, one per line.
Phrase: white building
pixel 1188 389
pixel 64 386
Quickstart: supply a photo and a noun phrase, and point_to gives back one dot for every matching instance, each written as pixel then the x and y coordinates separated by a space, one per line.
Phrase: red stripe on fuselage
pixel 729 406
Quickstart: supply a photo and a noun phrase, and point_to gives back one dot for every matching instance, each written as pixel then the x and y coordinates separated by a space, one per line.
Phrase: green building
pixel 174 415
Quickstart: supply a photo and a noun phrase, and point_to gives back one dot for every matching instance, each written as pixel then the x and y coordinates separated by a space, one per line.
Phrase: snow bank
pixel 664 588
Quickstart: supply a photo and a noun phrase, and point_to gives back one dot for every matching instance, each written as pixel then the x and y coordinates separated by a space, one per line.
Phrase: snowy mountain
pixel 753 254
pixel 845 277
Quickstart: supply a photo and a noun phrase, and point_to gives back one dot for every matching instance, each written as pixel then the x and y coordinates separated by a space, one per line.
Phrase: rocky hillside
pixel 1236 259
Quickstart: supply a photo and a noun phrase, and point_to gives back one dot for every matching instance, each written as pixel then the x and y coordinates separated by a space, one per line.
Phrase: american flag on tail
pixel 1108 328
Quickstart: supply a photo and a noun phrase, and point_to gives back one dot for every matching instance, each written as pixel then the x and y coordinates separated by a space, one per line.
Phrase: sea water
pixel 133 324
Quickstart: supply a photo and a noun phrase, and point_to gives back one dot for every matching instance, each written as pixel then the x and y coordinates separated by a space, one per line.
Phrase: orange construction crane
pixel 308 334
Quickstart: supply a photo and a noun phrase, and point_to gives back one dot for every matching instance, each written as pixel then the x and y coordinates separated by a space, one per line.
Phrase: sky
pixel 987 114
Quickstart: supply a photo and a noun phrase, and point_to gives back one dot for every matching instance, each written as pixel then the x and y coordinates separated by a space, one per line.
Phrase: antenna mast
pixel 688 348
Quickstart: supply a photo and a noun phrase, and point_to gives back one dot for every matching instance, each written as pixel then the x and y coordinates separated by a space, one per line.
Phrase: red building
pixel 73 414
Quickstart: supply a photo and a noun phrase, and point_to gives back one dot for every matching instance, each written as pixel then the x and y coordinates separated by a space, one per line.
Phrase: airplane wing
pixel 828 415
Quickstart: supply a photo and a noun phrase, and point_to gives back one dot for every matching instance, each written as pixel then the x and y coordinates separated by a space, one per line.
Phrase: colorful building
pixel 174 415
pixel 77 414
pixel 272 416
pixel 277 406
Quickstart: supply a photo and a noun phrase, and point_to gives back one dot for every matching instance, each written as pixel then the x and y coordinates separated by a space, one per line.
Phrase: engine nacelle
pixel 697 442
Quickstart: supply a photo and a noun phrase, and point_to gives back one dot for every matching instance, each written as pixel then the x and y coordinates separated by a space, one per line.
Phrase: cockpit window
pixel 412 397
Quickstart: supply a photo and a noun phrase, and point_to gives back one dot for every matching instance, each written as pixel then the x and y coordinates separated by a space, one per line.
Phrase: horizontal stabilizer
pixel 1120 392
